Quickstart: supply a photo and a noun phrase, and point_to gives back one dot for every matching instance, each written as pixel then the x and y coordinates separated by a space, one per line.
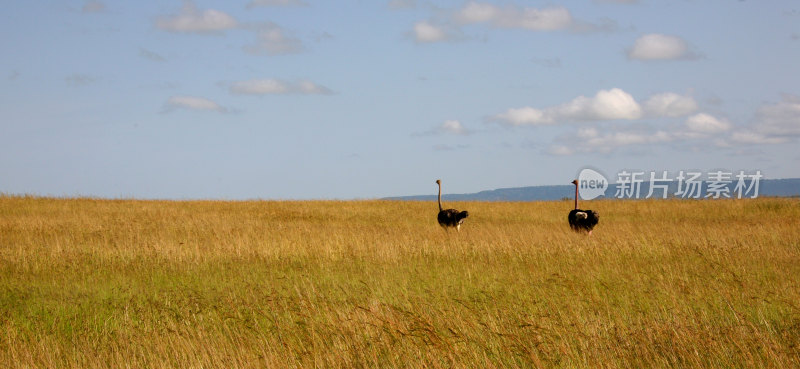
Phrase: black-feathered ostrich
pixel 582 220
pixel 449 217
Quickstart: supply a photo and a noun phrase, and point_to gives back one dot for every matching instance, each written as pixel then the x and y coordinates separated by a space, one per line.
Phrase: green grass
pixel 100 283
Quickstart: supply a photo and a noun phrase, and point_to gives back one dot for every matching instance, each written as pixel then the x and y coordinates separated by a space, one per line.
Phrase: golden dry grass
pixel 88 283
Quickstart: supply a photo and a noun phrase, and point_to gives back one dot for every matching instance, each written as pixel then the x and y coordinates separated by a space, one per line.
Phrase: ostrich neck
pixel 576 196
pixel 440 197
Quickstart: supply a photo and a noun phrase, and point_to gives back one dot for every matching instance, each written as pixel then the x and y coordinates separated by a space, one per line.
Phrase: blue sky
pixel 290 99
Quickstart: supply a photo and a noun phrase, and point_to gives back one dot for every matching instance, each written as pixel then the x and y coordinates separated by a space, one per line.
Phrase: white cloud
pixel 657 46
pixel 614 140
pixel 773 124
pixel 192 20
pixel 474 12
pixel 605 105
pixel 524 116
pixel 311 88
pixel 706 124
pixel 545 19
pixel 781 119
pixel 277 87
pixel 593 140
pixel 755 138
pixel 449 26
pixel 587 133
pixel 448 127
pixel 453 126
pixel 613 104
pixel 260 87
pixel 539 19
pixel 192 103
pixel 777 123
pixel 427 32
pixel 273 40
pixel 256 3
pixel 670 104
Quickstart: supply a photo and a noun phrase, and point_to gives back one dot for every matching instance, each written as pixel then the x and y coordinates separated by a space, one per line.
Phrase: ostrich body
pixel 582 220
pixel 449 217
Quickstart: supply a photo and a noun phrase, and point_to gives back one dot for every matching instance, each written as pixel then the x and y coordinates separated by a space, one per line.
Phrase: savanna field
pixel 88 283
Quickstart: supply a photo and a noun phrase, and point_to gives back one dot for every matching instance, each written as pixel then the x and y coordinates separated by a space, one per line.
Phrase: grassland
pixel 88 283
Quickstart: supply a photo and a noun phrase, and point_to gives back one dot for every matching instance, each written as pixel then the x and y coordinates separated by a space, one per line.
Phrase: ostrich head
pixel 439 181
pixel 575 182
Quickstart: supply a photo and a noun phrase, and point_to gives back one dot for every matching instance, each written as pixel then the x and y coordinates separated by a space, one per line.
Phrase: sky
pixel 303 99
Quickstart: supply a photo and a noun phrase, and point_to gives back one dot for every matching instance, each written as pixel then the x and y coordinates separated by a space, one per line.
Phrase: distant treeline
pixel 766 187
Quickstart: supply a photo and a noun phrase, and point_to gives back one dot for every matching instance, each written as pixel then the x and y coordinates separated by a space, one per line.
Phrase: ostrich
pixel 582 220
pixel 449 217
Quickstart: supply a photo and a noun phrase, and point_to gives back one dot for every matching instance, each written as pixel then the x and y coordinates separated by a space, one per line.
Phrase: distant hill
pixel 767 187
